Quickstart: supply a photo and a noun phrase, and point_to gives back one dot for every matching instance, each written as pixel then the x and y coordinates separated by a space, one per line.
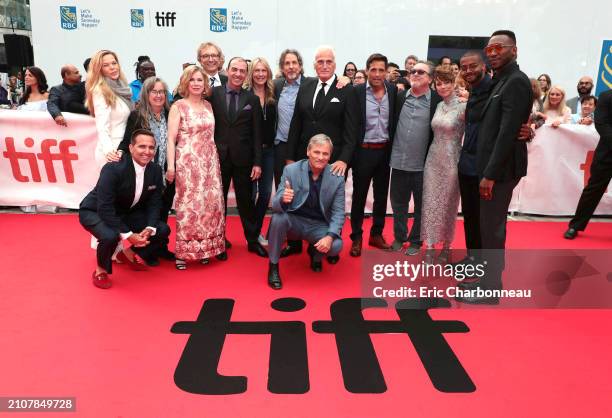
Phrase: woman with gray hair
pixel 152 114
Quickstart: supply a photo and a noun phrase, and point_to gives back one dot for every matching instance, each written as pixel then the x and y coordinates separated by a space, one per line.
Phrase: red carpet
pixel 114 351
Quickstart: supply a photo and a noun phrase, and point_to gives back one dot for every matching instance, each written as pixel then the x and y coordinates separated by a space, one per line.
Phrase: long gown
pixel 440 178
pixel 200 219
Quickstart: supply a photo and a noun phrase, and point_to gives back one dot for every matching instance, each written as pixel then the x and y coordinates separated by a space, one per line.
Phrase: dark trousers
pixel 108 237
pixel 601 173
pixel 262 188
pixel 406 184
pixel 493 220
pixel 280 156
pixel 369 166
pixel 167 200
pixel 243 187
pixel 470 207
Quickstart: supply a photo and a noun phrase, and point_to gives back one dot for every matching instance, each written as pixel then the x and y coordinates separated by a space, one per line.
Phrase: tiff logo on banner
pixel 197 370
pixel 165 19
pixel 45 155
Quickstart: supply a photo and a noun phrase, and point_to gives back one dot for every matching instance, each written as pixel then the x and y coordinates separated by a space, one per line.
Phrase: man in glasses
pixel 584 87
pixel 211 58
pixel 501 160
pixel 414 110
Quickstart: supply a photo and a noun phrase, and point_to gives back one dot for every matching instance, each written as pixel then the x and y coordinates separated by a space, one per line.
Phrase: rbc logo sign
pixel 68 17
pixel 218 20
pixel 137 17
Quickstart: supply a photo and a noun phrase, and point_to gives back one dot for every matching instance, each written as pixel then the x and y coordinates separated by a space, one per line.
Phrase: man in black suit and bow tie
pixel 501 160
pixel 238 139
pixel 125 204
pixel 321 107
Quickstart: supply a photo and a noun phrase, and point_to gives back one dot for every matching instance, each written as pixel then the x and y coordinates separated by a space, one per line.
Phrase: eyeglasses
pixel 419 72
pixel 497 48
pixel 158 92
pixel 209 56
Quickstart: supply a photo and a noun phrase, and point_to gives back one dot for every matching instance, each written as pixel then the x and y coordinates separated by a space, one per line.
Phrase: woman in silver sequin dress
pixel 440 178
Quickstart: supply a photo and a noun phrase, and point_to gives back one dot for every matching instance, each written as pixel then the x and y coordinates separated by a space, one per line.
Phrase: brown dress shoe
pixel 378 241
pixel 356 248
pixel 101 280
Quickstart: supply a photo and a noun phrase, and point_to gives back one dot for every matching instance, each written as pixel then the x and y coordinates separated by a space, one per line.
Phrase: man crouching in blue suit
pixel 309 204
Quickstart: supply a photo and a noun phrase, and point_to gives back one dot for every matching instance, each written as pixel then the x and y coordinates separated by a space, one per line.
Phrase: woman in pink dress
pixel 194 163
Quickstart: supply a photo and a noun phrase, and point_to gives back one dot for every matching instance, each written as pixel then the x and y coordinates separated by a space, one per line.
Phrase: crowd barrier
pixel 43 163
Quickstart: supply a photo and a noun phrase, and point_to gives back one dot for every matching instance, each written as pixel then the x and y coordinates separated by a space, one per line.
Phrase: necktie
pixel 320 96
pixel 212 81
pixel 232 106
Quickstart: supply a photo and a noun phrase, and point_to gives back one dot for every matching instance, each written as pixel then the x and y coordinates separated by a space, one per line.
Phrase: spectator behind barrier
pixel 537 110
pixel 36 95
pixel 587 109
pixel 545 83
pixel 68 96
pixel 555 110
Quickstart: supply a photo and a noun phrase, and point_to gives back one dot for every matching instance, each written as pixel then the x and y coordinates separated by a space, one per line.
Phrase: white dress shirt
pixel 140 171
pixel 327 87
pixel 217 80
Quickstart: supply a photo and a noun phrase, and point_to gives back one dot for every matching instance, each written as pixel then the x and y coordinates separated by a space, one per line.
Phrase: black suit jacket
pixel 238 140
pixel 360 92
pixel 67 98
pixel 435 99
pixel 114 193
pixel 603 118
pixel 337 119
pixel 499 155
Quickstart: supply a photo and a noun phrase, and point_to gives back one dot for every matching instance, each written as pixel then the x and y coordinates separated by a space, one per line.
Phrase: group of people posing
pixel 303 134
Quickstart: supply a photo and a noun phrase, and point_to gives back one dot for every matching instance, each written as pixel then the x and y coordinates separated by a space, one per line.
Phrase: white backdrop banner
pixel 559 168
pixel 43 163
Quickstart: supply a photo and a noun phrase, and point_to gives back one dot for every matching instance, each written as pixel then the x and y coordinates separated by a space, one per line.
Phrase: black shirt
pixel 311 209
pixel 473 114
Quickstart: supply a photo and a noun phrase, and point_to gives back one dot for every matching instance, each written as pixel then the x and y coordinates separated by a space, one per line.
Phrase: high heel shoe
pixel 180 264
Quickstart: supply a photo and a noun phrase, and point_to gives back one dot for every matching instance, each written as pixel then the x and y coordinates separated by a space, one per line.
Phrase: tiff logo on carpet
pixel 288 372
pixel 45 155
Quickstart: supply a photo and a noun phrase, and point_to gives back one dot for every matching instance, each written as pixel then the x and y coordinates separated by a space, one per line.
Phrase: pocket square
pixel 152 187
pixel 247 107
pixel 334 100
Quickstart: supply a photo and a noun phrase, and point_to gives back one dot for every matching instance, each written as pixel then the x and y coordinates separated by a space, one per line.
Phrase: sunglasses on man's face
pixel 419 72
pixel 497 48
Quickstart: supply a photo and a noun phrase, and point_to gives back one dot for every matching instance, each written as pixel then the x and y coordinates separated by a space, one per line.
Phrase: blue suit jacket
pixel 331 196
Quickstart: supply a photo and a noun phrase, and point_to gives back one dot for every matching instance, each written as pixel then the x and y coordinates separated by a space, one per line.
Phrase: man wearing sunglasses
pixel 501 160
pixel 414 109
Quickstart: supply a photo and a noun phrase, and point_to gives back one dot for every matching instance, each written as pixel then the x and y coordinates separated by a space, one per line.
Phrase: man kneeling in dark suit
pixel 309 204
pixel 125 204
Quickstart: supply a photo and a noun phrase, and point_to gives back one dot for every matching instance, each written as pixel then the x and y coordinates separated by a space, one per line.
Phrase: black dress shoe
pixel 228 245
pixel 290 249
pixel 316 266
pixel 166 254
pixel 151 261
pixel 257 248
pixel 474 300
pixel 274 279
pixel 333 259
pixel 222 256
pixel 571 233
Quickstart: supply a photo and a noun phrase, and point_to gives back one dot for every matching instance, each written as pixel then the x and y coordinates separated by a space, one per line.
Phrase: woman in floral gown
pixel 440 178
pixel 194 163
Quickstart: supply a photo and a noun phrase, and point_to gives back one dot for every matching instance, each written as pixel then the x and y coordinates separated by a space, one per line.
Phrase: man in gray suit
pixel 309 204
pixel 584 88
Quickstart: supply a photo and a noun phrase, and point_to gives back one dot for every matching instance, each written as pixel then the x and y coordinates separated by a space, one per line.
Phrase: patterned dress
pixel 440 178
pixel 200 219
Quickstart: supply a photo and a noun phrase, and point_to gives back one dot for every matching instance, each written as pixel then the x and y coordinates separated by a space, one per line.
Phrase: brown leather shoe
pixel 356 248
pixel 378 241
pixel 101 280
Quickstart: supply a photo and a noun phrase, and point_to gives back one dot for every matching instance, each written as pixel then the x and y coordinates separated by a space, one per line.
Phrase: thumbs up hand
pixel 287 193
